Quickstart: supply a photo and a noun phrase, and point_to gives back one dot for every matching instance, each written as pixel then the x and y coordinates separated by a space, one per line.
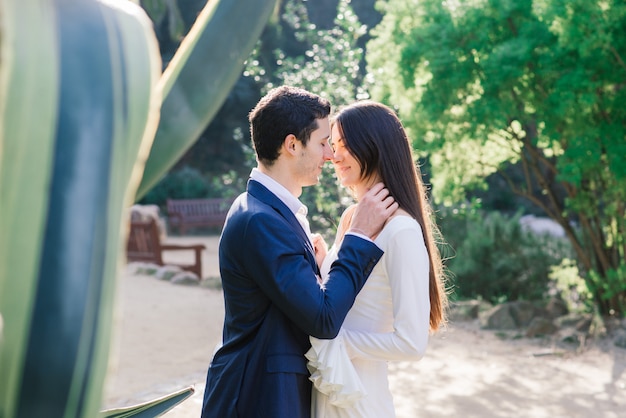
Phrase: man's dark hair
pixel 282 111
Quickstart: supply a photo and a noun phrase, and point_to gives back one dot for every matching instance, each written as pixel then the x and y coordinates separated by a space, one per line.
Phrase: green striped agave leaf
pixel 28 92
pixel 78 111
pixel 152 408
pixel 200 76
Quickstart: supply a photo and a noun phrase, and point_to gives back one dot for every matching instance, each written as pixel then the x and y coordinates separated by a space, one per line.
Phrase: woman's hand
pixel 373 210
pixel 320 247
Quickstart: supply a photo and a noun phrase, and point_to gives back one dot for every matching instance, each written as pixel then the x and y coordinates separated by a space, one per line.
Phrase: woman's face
pixel 347 167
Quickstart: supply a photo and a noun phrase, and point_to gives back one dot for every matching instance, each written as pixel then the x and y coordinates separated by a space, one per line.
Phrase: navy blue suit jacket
pixel 273 303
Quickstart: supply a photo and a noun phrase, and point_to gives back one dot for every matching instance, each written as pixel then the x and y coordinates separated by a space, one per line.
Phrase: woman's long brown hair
pixel 374 135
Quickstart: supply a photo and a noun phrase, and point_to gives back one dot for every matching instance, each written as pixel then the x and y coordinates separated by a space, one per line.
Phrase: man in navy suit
pixel 269 273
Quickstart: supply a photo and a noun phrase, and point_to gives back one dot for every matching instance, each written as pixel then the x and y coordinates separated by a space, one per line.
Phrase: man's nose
pixel 328 154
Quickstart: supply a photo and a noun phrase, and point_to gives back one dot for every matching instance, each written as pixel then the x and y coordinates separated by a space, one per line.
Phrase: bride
pixel 404 299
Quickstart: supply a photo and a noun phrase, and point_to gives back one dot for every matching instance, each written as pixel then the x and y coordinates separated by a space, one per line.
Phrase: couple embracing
pixel 308 330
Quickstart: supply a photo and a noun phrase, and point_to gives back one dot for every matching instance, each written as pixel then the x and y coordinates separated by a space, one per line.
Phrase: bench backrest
pixel 190 208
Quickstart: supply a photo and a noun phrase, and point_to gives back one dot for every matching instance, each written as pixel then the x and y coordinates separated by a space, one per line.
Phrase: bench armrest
pixel 183 247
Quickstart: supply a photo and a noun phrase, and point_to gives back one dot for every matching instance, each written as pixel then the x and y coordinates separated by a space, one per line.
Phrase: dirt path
pixel 166 334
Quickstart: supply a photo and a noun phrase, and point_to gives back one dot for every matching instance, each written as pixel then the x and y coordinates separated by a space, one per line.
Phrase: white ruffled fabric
pixel 332 372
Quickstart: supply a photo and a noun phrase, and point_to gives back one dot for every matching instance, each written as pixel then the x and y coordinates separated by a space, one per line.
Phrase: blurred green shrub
pixel 567 282
pixel 190 183
pixel 490 256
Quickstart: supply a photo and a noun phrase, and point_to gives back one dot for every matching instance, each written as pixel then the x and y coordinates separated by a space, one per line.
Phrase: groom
pixel 267 264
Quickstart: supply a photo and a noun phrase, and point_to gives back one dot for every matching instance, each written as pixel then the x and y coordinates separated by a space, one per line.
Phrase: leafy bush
pixel 566 280
pixel 495 258
pixel 189 183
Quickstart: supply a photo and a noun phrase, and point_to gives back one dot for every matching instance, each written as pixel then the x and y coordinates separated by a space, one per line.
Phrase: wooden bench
pixel 187 213
pixel 144 244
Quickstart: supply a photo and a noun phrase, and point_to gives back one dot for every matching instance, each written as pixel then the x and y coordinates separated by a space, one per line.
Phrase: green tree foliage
pixel 483 84
pixel 330 66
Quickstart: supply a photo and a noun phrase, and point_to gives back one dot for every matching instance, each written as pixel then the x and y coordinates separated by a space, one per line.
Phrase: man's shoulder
pixel 248 205
pixel 252 213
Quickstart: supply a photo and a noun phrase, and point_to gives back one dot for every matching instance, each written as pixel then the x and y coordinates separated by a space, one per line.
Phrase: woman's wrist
pixel 357 231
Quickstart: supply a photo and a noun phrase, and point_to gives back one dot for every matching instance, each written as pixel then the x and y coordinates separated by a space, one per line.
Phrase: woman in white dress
pixel 404 299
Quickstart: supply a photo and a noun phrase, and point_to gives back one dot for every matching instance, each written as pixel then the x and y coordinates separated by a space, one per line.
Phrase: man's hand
pixel 373 210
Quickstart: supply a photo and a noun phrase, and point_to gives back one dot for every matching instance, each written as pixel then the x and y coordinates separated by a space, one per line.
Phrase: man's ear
pixel 290 144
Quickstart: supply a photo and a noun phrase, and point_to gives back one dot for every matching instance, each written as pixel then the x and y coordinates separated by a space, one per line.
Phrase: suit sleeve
pixel 280 267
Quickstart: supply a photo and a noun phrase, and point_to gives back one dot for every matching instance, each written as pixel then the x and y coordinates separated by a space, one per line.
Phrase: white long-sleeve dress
pixel 389 321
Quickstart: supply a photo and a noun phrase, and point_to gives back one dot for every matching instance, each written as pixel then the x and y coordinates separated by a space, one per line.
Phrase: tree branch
pixel 617 57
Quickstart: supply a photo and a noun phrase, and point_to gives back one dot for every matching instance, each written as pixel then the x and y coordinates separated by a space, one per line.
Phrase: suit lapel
pixel 260 192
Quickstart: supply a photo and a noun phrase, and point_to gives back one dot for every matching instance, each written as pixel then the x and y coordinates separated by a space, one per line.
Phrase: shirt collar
pixel 292 202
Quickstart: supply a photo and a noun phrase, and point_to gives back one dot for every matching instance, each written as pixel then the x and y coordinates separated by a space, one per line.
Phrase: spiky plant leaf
pixel 78 107
pixel 200 76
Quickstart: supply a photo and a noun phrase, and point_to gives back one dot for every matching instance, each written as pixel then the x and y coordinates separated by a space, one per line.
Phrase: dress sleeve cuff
pixel 333 373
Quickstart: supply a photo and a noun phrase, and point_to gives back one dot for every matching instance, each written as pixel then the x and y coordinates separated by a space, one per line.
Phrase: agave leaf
pixel 152 408
pixel 28 87
pixel 73 130
pixel 200 76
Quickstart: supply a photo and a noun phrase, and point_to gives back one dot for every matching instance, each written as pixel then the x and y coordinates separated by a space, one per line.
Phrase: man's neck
pixel 282 177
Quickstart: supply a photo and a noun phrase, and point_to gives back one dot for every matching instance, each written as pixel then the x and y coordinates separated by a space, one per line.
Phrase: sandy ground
pixel 166 334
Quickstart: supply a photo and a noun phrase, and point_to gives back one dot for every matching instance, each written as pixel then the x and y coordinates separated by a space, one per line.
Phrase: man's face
pixel 313 156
